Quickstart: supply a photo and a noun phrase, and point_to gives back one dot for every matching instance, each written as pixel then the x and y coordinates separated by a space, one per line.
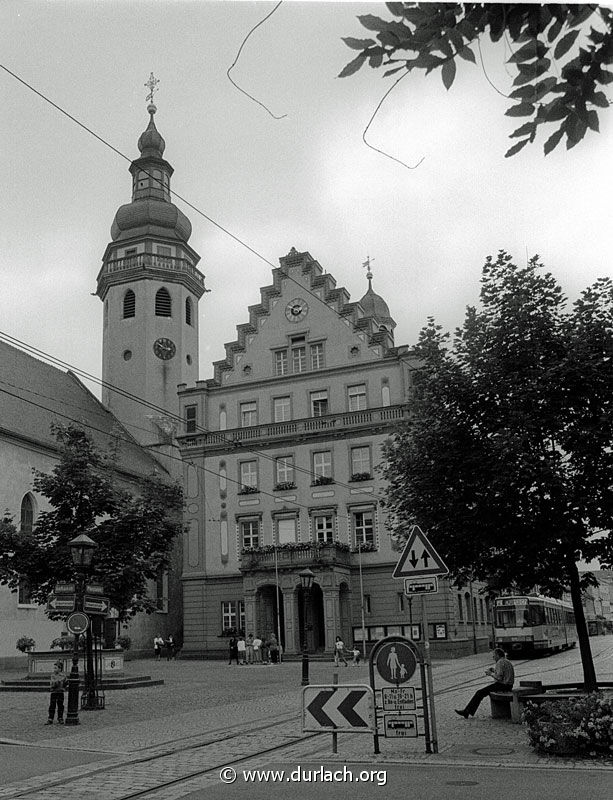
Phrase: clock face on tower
pixel 164 348
pixel 296 309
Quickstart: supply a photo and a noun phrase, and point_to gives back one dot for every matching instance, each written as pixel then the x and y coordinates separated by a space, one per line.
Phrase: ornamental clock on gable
pixel 296 309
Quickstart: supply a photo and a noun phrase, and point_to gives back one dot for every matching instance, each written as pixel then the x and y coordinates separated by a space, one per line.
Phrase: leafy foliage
pixel 507 459
pixel 134 532
pixel 577 726
pixel 430 36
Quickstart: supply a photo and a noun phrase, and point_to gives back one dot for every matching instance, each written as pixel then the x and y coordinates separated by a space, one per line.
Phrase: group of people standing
pixel 254 650
pixel 168 644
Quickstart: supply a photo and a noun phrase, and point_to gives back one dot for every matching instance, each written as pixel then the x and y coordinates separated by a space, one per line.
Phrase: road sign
pixel 420 586
pixel 402 726
pixel 61 602
pixel 96 604
pixel 398 698
pixel 77 623
pixel 94 588
pixel 338 708
pixel 63 587
pixel 419 557
pixel 395 661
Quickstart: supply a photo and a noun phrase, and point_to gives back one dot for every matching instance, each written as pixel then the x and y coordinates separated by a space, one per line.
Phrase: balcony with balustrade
pixel 121 270
pixel 295 557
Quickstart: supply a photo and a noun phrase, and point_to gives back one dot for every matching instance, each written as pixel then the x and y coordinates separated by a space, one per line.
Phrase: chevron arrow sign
pixel 338 708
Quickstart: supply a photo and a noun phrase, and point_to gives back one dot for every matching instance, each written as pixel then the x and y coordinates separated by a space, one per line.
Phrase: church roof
pixel 33 395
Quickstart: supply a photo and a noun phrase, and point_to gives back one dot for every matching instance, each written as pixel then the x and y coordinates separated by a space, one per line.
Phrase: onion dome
pixel 154 217
pixel 375 306
pixel 151 144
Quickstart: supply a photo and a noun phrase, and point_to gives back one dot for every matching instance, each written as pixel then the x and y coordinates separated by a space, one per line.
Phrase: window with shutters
pixel 190 418
pixel 163 303
pixel 129 304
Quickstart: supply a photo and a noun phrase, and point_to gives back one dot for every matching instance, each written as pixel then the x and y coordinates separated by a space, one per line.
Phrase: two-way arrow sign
pixel 419 557
pixel 338 708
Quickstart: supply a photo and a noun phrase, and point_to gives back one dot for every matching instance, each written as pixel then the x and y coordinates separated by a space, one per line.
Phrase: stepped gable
pixel 321 283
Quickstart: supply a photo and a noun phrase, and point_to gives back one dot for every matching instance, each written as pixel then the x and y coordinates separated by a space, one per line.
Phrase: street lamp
pixel 306 581
pixel 82 553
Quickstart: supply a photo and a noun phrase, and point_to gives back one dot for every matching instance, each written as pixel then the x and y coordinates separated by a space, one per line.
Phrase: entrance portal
pixel 269 613
pixel 315 628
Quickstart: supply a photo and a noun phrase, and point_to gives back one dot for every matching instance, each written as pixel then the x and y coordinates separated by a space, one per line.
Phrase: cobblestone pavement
pixel 192 722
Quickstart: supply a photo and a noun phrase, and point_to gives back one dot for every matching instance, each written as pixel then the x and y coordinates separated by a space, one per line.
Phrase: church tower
pixel 150 286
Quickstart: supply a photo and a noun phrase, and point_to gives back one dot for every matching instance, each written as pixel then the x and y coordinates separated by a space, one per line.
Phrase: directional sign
pixel 400 698
pixel 338 708
pixel 420 586
pixel 63 587
pixel 61 602
pixel 403 726
pixel 395 661
pixel 94 588
pixel 96 604
pixel 419 557
pixel 77 623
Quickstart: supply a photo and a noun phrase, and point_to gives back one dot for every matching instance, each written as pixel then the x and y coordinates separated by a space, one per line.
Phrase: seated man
pixel 504 677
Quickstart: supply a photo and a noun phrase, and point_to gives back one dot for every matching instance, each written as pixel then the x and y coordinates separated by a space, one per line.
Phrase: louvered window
pixel 163 303
pixel 129 304
pixel 188 311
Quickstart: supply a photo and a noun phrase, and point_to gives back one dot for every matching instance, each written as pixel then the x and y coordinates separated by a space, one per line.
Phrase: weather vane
pixel 152 85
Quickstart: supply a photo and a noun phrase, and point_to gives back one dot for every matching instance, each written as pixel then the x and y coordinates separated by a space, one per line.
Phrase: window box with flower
pixel 365 547
pixel 248 490
pixel 361 476
pixel 322 480
pixel 285 486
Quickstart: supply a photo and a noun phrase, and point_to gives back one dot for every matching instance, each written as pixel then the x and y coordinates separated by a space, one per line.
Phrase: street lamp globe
pixel 82 550
pixel 306 578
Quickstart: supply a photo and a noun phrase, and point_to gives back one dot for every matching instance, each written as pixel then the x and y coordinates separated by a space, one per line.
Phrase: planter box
pixel 42 662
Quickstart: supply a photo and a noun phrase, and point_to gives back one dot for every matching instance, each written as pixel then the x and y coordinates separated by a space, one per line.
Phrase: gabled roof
pixel 33 395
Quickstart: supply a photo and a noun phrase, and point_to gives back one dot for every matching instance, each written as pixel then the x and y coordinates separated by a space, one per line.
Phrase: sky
pixel 306 180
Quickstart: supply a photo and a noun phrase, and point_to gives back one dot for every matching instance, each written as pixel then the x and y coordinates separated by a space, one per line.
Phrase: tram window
pixel 534 615
pixel 505 617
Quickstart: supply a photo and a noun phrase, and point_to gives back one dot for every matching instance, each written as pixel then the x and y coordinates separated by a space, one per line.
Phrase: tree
pixel 545 91
pixel 134 532
pixel 507 458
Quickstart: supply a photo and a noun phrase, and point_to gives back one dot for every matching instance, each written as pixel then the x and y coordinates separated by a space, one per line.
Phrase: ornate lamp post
pixel 306 581
pixel 81 552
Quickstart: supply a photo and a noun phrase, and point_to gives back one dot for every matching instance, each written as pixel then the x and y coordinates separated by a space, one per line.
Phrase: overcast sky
pixel 304 181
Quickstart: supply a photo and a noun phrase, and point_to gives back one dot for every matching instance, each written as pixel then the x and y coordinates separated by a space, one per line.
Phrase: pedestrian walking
pixel 257 649
pixel 158 644
pixel 504 677
pixel 233 650
pixel 249 648
pixel 339 652
pixel 242 650
pixel 170 648
pixel 355 656
pixel 273 649
pixel 57 684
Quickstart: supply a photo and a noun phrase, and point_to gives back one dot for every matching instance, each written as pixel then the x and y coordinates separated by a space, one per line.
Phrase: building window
pixel 249 414
pixel 460 609
pixel 367 604
pixel 298 358
pixel 249 475
pixel 24 597
pixel 282 409
pixel 161 590
pixel 233 616
pixel 163 303
pixel 26 514
pixel 286 530
pixel 319 403
pixel 322 464
pixel 190 419
pixel 163 255
pixel 323 525
pixel 281 364
pixel 360 462
pixel 400 601
pixel 250 533
pixel 188 311
pixel 129 304
pixel 357 397
pixel 468 605
pixel 364 527
pixel 284 470
pixel 317 356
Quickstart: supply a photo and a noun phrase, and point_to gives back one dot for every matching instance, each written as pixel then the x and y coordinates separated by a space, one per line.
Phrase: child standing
pixel 57 684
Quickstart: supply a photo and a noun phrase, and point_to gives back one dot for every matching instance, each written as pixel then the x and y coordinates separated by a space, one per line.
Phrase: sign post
pixel 420 565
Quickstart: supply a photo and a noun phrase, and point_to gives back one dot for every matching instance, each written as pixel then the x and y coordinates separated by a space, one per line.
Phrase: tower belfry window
pixel 188 311
pixel 163 303
pixel 129 304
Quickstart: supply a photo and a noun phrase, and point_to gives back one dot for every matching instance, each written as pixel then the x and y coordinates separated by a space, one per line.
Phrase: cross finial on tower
pixel 366 265
pixel 152 85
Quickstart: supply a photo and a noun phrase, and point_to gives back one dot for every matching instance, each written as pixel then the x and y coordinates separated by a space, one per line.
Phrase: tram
pixel 533 625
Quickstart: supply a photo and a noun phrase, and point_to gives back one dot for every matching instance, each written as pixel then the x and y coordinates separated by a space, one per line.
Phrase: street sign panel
pixel 338 708
pixel 395 661
pixel 77 623
pixel 61 602
pixel 64 587
pixel 400 726
pixel 94 588
pixel 420 586
pixel 419 558
pixel 398 698
pixel 96 604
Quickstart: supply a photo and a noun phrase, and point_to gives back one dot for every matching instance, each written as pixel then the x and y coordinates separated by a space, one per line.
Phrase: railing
pixel 318 555
pixel 154 261
pixel 281 430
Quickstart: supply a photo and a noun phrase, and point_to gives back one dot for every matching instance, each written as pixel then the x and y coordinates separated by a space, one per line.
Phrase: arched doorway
pixel 315 628
pixel 269 612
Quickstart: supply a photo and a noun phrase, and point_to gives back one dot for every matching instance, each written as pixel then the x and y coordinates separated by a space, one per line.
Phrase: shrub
pixel 564 727
pixel 124 642
pixel 24 643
